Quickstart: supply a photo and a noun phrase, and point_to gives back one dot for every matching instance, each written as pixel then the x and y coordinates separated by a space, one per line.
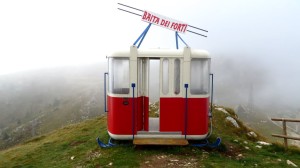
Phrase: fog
pixel 254 44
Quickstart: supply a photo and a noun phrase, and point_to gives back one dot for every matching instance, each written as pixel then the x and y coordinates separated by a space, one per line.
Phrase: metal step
pixel 160 141
pixel 157 133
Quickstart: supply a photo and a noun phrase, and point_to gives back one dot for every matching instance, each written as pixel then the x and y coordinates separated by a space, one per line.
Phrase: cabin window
pixel 177 76
pixel 165 76
pixel 200 76
pixel 118 75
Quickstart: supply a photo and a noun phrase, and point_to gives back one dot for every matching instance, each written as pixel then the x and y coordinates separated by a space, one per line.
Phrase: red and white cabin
pixel 184 94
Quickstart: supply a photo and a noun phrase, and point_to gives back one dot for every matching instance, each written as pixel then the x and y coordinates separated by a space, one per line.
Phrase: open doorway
pixel 154 70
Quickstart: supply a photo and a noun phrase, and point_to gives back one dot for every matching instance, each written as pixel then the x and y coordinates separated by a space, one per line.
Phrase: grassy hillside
pixel 262 123
pixel 36 102
pixel 258 120
pixel 75 146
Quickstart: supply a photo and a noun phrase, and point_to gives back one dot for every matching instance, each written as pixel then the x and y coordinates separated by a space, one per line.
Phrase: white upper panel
pixel 159 53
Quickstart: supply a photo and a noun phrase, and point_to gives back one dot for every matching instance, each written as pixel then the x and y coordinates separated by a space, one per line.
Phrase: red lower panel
pixel 172 115
pixel 120 114
pixel 197 116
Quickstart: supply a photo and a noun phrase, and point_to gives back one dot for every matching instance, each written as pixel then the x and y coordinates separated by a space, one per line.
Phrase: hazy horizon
pixel 251 42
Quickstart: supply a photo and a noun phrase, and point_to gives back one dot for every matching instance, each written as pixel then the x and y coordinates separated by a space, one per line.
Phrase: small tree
pixel 5 136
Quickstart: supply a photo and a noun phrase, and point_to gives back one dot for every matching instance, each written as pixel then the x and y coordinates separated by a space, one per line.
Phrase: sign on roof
pixel 165 22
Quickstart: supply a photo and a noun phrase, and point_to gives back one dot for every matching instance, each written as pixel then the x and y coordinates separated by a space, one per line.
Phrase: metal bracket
pixel 176 37
pixel 207 144
pixel 103 145
pixel 142 36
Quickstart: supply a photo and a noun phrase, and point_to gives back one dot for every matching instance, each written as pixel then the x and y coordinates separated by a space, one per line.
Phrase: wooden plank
pixel 157 133
pixel 160 141
pixel 285 119
pixel 287 137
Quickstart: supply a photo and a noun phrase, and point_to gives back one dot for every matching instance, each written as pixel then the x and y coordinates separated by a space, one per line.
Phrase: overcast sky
pixel 36 34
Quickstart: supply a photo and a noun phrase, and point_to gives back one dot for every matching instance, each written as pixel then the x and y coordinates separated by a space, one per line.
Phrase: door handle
pixel 125 101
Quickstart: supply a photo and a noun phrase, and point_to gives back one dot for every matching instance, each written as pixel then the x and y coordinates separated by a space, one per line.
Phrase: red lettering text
pixel 150 18
pixel 179 27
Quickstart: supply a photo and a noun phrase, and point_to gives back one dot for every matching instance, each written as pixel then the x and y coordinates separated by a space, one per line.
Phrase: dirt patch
pixel 76 143
pixel 92 155
pixel 158 161
pixel 233 151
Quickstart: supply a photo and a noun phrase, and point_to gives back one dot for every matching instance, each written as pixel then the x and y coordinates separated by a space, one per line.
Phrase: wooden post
pixel 284 133
pixel 285 136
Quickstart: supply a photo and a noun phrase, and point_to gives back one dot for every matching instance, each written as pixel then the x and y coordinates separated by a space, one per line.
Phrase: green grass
pixel 78 141
pixel 154 109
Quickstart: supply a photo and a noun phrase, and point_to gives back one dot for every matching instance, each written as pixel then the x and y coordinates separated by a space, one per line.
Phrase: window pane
pixel 200 76
pixel 165 76
pixel 177 76
pixel 118 75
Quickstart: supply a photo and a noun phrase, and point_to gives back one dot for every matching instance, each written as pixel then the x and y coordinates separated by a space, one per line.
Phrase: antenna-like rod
pixel 196 33
pixel 129 12
pixel 197 28
pixel 131 7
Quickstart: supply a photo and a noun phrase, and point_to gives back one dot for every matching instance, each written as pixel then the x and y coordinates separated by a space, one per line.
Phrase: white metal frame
pixel 185 55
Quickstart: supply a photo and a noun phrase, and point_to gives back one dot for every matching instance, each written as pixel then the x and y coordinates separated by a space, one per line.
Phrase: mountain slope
pixel 257 120
pixel 75 146
pixel 36 102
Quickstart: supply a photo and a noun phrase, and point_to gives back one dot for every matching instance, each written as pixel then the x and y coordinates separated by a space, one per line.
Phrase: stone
pixel 222 110
pixel 252 134
pixel 263 143
pixel 258 146
pixel 233 121
pixel 291 163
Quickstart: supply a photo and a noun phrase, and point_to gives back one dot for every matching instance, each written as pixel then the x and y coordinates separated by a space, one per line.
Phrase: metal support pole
pixel 182 40
pixel 138 39
pixel 211 94
pixel 176 38
pixel 133 110
pixel 186 110
pixel 145 33
pixel 142 36
pixel 105 95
